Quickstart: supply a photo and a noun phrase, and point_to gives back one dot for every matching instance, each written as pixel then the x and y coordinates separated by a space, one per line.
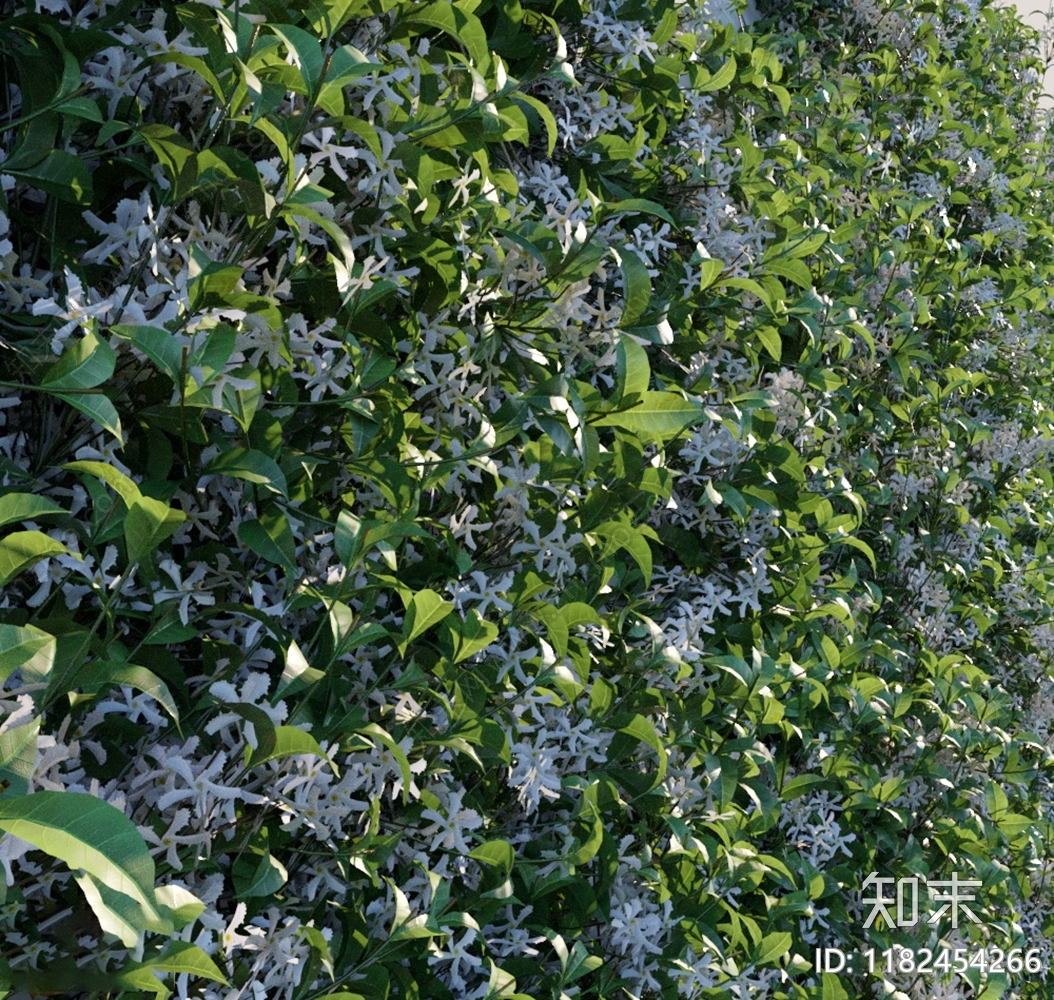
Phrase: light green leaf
pixel 25 507
pixel 796 270
pixel 396 751
pixel 117 913
pixel 709 270
pixel 115 479
pixel 832 987
pixel 471 635
pixel 182 956
pixel 90 834
pixel 497 853
pixel 251 465
pixel 289 742
pixel 657 414
pixel 298 675
pixel 21 549
pixel 632 369
pixel 773 947
pixel 426 609
pixel 180 904
pixel 28 648
pixel 770 340
pixel 722 78
pixel 18 758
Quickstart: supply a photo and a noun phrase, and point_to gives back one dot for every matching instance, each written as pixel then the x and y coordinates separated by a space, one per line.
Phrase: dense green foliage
pixel 523 500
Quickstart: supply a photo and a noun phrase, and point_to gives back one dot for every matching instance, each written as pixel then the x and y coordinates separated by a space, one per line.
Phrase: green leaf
pixel 95 676
pixel 859 544
pixel 496 853
pixel 251 465
pixel 800 785
pixel 21 549
pixel 28 648
pixel 18 758
pixel 624 535
pixel 456 22
pixel 796 270
pixel 426 609
pixel 178 957
pixel 288 742
pixel 536 108
pixel 25 507
pixel 471 635
pixel 657 414
pixel 773 947
pixel 258 875
pixel 636 285
pixel 722 78
pixel 118 914
pixel 396 751
pixel 632 369
pixel 160 346
pixel 81 107
pixel 97 407
pixel 273 541
pixel 305 49
pixel 639 206
pixel 298 675
pixel 60 174
pixel 86 833
pixel 642 729
pixel 148 523
pixel 176 155
pixel 86 364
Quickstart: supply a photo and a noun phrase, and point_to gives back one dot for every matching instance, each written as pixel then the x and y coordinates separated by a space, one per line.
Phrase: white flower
pixel 330 152
pixel 457 955
pixel 72 309
pixel 130 231
pixel 449 831
pixel 192 588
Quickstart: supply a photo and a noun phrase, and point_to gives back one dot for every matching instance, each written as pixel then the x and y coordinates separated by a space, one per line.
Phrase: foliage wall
pixel 521 499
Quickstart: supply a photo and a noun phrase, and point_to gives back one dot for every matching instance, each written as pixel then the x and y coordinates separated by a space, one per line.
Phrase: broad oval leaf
pixel 87 834
pixel 251 465
pixel 85 365
pixel 26 507
pixel 21 549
